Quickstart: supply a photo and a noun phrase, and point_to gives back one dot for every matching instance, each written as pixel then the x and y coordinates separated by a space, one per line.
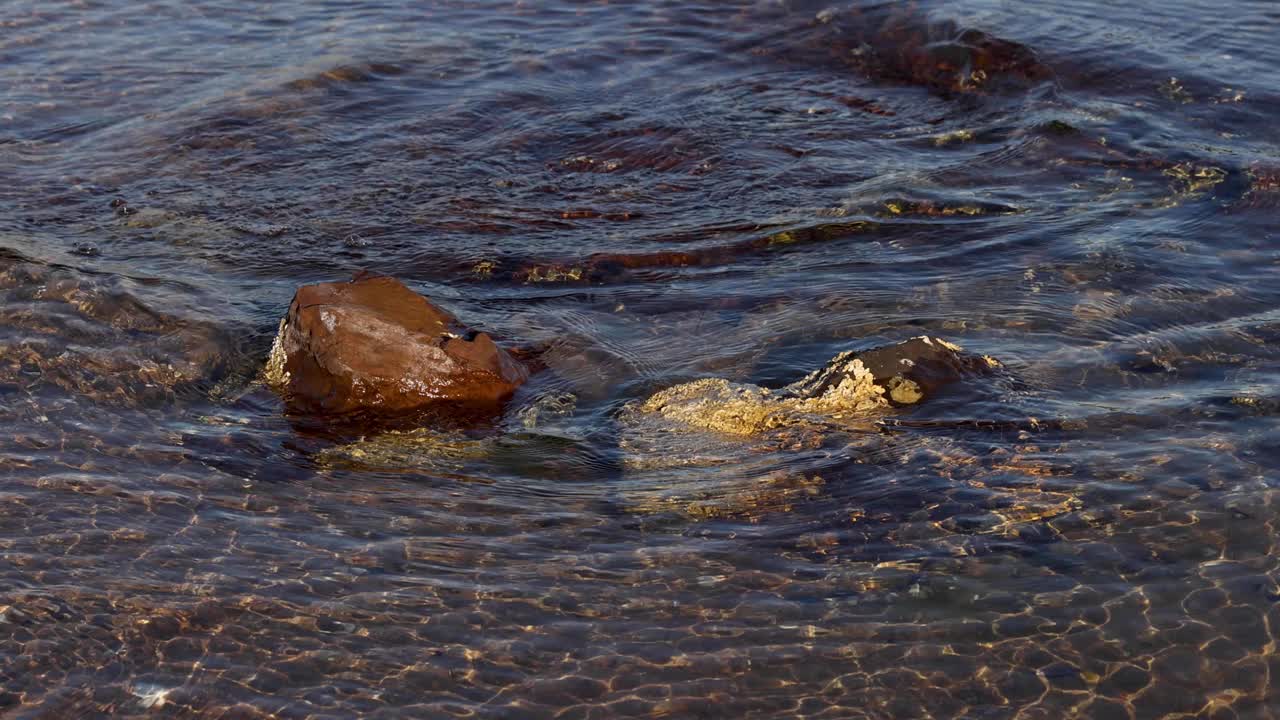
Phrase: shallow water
pixel 651 192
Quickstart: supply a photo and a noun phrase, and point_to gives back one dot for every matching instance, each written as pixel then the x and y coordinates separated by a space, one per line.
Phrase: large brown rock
pixel 373 344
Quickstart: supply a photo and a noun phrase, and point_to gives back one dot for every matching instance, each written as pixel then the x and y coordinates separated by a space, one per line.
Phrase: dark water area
pixel 650 193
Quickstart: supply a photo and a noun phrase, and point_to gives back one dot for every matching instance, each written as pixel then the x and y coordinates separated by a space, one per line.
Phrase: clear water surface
pixel 652 192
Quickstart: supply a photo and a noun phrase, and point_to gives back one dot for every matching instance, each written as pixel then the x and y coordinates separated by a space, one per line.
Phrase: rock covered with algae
pixel 758 450
pixel 845 393
pixel 740 409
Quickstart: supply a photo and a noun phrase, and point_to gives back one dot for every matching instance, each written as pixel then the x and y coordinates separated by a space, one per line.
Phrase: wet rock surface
pixel 755 449
pixel 846 395
pixel 733 432
pixel 848 390
pixel 374 345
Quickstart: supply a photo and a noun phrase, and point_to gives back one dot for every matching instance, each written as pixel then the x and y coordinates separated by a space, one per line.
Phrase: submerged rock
pixel 373 344
pixel 714 422
pixel 89 335
pixel 419 449
pixel 704 449
pixel 851 387
pixel 758 450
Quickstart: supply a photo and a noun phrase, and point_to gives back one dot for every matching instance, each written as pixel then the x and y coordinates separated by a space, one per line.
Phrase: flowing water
pixel 650 193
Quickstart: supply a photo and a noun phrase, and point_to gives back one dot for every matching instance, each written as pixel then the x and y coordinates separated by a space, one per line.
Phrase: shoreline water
pixel 649 194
